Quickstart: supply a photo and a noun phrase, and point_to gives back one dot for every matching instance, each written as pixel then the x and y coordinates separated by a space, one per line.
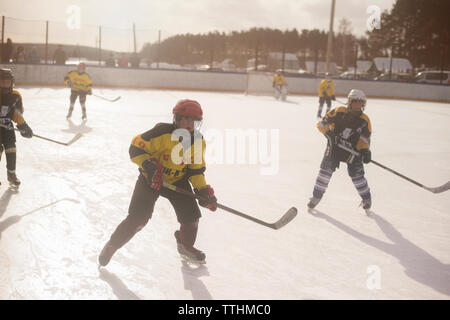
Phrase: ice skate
pixel 84 117
pixel 106 254
pixel 192 255
pixel 366 204
pixel 14 182
pixel 313 201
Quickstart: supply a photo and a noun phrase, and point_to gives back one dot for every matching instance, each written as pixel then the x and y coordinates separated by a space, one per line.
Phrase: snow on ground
pixel 72 198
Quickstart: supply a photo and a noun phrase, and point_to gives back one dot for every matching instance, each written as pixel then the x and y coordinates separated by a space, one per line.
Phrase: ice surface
pixel 72 198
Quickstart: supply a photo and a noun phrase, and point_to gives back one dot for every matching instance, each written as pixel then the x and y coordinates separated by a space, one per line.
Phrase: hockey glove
pixel 153 169
pixel 25 130
pixel 89 92
pixel 208 199
pixel 333 98
pixel 366 155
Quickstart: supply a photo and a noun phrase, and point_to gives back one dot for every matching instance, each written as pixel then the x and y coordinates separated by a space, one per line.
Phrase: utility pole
pixel 159 46
pixel 134 37
pixel 330 35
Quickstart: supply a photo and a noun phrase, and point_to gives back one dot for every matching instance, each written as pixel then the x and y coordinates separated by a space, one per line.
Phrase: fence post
pixel 3 36
pixel 46 41
pixel 99 45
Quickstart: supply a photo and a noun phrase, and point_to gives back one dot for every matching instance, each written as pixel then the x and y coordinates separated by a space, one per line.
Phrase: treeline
pixel 414 29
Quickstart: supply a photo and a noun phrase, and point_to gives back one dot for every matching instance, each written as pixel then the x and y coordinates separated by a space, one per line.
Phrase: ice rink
pixel 72 198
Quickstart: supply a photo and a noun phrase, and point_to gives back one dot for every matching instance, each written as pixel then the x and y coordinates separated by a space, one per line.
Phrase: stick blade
pixel 77 136
pixel 440 189
pixel 115 99
pixel 286 218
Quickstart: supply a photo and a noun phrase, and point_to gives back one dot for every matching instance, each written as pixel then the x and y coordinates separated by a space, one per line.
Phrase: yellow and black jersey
pixel 179 160
pixel 326 87
pixel 80 82
pixel 278 80
pixel 353 131
pixel 11 108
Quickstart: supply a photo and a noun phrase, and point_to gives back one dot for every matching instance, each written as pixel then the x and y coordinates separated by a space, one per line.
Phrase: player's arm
pixel 23 127
pixel 89 84
pixel 68 79
pixel 195 172
pixel 327 123
pixel 364 138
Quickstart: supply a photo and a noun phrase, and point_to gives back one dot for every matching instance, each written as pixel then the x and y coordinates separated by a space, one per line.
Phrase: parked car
pixel 352 76
pixel 395 77
pixel 433 77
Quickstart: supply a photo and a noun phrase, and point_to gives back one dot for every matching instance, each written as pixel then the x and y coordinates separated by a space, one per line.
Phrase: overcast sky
pixel 197 16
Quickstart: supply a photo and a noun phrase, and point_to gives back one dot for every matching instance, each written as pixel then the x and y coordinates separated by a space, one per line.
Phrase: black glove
pixel 333 98
pixel 366 155
pixel 153 169
pixel 208 199
pixel 25 130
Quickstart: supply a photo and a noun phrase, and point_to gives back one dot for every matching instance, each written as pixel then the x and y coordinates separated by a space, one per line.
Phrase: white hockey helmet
pixel 358 95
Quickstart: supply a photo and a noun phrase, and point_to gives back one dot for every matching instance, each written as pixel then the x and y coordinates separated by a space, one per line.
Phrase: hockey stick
pixel 344 103
pixel 107 99
pixel 285 219
pixel 75 138
pixel 439 189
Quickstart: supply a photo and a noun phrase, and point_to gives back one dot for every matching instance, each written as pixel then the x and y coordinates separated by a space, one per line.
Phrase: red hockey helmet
pixel 190 108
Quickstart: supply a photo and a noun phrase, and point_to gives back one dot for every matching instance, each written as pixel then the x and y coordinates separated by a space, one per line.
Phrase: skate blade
pixel 189 260
pixel 13 187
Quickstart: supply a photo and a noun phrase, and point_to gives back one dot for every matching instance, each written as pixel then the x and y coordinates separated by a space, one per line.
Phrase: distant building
pixel 274 61
pixel 399 65
pixel 321 67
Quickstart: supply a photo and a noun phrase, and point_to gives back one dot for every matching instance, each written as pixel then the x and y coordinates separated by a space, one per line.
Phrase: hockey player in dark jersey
pixel 349 127
pixel 11 112
pixel 156 152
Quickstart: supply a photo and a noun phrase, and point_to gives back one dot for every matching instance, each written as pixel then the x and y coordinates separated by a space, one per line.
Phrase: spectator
pixel 7 50
pixel 59 57
pixel 33 56
pixel 110 62
pixel 20 56
pixel 123 62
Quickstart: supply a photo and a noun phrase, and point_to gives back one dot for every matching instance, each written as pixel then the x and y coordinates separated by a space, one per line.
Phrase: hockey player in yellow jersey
pixel 10 113
pixel 326 93
pixel 80 84
pixel 173 153
pixel 350 127
pixel 279 84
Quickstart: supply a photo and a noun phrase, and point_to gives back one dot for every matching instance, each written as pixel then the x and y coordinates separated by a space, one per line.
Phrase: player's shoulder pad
pixel 341 109
pixel 17 93
pixel 158 130
pixel 365 117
